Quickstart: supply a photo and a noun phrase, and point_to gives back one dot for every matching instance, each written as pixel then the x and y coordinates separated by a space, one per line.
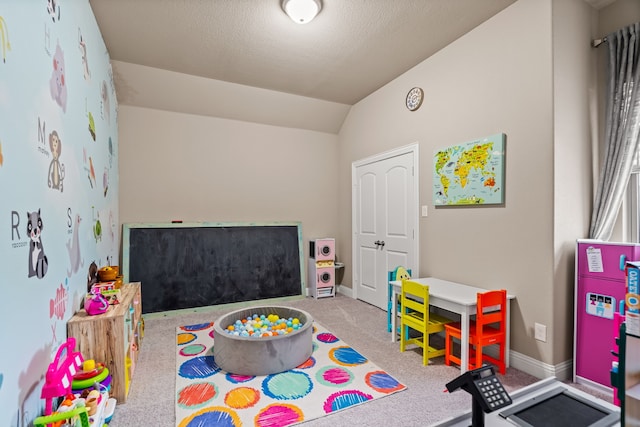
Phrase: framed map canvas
pixel 471 173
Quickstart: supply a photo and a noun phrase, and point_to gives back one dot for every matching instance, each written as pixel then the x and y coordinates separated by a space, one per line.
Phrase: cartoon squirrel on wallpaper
pixel 38 262
pixel 57 83
pixel 56 169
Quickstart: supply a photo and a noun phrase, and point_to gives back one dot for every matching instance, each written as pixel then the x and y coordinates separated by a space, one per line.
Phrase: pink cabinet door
pixel 594 256
pixel 596 302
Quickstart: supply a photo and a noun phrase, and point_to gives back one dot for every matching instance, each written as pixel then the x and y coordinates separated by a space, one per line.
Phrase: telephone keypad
pixel 493 392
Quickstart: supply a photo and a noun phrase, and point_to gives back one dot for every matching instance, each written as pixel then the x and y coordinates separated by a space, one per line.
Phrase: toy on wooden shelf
pixel 107 283
pixel 108 273
pixel 102 287
pixel 96 304
pixel 92 275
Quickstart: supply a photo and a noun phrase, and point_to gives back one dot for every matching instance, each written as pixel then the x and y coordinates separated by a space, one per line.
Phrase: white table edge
pixel 464 319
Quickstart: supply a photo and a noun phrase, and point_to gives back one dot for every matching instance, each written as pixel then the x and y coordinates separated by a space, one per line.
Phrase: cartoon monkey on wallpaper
pixel 56 169
pixel 38 262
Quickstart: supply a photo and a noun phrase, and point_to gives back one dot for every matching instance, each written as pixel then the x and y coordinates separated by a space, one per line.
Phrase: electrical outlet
pixel 540 332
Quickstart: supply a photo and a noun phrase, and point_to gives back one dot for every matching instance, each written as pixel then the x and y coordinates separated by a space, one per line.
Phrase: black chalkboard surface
pixel 202 264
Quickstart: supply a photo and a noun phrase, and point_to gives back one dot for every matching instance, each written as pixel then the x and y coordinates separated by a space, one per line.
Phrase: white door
pixel 385 223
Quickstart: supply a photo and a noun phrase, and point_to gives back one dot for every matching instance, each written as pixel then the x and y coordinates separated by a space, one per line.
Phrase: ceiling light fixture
pixel 301 11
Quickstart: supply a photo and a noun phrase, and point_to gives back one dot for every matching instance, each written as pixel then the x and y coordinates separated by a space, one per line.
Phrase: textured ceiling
pixel 351 49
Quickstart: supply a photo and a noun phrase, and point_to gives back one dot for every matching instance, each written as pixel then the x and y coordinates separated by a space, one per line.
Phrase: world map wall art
pixel 471 173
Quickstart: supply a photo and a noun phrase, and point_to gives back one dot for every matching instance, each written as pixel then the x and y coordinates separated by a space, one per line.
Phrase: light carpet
pixel 334 378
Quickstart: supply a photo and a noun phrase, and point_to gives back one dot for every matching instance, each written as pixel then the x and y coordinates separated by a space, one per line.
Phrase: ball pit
pixel 247 355
pixel 260 326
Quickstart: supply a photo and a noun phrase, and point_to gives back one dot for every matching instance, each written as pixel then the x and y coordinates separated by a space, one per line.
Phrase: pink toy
pixel 60 373
pixel 97 304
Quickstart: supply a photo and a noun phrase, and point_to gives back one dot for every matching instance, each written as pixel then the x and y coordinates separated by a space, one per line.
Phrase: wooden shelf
pixel 113 338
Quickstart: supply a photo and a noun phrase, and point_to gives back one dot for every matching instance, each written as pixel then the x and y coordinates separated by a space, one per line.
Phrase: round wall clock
pixel 414 98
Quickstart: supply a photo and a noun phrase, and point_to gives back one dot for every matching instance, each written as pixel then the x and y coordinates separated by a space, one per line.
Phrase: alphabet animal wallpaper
pixel 58 185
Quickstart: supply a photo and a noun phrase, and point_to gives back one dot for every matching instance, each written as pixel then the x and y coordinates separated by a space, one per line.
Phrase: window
pixel 631 212
pixel 630 208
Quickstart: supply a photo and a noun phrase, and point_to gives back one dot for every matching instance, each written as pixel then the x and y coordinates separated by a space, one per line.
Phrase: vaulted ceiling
pixel 307 76
pixel 352 48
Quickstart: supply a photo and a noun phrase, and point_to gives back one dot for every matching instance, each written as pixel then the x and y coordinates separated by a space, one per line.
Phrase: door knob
pixel 382 243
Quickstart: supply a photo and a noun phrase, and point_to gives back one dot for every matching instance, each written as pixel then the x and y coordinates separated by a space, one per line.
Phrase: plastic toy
pixel 57 419
pixel 75 410
pixel 101 375
pixel 58 381
pixel 108 273
pixel 96 304
pixel 60 373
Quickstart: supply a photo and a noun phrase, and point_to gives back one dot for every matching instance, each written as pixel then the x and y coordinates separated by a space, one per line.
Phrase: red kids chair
pixel 489 328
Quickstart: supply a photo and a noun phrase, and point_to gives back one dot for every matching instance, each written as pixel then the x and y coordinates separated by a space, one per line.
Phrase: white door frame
pixel 412 148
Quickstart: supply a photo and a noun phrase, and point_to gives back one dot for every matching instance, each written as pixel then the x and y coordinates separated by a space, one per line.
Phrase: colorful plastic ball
pixel 263 326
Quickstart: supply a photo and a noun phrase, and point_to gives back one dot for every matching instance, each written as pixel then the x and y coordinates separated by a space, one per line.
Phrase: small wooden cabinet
pixel 113 338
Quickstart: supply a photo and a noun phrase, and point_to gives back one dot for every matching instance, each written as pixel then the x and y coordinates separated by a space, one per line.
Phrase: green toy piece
pixel 43 421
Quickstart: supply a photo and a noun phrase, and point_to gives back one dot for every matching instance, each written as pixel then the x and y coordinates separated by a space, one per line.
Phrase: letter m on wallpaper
pixel 41 132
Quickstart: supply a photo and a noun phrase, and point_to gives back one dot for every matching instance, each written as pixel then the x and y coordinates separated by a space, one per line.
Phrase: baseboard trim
pixel 562 371
pixel 345 290
pixel 599 388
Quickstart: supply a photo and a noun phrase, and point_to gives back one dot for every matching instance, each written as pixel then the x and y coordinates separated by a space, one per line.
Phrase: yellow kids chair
pixel 415 314
pixel 400 273
pixel 489 328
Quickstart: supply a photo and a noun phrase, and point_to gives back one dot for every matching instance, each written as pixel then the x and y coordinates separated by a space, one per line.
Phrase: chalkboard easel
pixel 188 265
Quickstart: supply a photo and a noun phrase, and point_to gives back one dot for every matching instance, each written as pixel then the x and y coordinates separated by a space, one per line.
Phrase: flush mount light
pixel 301 11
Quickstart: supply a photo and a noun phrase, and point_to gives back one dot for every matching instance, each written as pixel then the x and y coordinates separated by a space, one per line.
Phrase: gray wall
pixel 497 78
pixel 177 166
pixel 573 87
